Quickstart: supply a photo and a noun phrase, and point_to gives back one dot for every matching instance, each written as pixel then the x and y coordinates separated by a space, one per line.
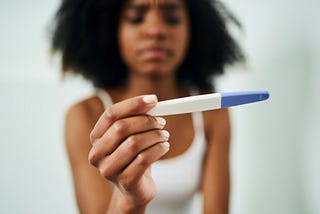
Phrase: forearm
pixel 216 207
pixel 216 190
pixel 216 175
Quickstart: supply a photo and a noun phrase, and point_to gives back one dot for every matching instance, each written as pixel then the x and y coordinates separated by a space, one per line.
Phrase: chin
pixel 156 70
pixel 158 73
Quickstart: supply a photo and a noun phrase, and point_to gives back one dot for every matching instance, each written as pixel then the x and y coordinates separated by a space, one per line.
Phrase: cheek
pixel 125 41
pixel 182 41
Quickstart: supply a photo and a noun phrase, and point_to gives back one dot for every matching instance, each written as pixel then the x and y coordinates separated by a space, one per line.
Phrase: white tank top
pixel 178 178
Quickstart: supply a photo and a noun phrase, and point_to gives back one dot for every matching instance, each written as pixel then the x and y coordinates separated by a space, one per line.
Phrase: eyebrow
pixel 141 7
pixel 171 6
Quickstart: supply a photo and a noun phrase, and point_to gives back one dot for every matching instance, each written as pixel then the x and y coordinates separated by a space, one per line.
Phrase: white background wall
pixel 275 152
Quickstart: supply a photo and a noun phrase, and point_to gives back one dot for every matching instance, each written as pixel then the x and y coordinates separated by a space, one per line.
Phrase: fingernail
pixel 166 144
pixel 165 133
pixel 150 99
pixel 161 121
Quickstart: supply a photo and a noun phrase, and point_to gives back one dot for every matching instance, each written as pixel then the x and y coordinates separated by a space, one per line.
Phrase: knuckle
pixel 106 172
pixel 93 157
pixel 133 142
pixel 109 114
pixel 132 139
pixel 142 159
pixel 120 127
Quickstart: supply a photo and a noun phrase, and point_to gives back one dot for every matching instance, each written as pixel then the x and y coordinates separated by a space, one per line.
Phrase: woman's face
pixel 153 36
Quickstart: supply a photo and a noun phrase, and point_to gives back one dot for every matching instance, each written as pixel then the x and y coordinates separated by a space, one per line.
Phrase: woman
pixel 138 52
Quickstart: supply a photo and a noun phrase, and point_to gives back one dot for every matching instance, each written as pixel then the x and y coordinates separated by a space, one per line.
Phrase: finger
pixel 133 106
pixel 113 164
pixel 119 131
pixel 134 172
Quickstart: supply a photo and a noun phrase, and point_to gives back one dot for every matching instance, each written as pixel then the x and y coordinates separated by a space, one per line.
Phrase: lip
pixel 154 53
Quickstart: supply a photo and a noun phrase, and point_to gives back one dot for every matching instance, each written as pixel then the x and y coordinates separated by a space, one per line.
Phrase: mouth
pixel 154 53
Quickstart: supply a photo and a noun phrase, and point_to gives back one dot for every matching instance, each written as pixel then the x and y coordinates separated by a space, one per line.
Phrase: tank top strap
pixel 198 123
pixel 105 98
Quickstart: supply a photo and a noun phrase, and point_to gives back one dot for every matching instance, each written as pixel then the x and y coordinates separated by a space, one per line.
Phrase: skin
pixel 111 168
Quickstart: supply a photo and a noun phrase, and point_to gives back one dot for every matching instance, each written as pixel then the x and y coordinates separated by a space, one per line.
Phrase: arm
pixel 93 192
pixel 216 177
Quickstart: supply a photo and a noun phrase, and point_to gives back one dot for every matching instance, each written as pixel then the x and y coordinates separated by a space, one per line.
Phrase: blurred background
pixel 276 144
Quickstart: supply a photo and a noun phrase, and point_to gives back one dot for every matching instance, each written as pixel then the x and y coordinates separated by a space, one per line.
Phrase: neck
pixel 165 87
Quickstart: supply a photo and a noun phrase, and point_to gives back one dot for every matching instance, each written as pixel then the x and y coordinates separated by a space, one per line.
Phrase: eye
pixel 135 19
pixel 173 20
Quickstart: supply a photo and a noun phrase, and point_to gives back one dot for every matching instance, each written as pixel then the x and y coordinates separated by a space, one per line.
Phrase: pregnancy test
pixel 207 102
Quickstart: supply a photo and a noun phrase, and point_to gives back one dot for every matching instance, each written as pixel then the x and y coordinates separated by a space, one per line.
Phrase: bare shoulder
pixel 217 122
pixel 87 110
pixel 79 121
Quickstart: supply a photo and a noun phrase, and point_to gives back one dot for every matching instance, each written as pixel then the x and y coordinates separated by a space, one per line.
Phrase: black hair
pixel 85 32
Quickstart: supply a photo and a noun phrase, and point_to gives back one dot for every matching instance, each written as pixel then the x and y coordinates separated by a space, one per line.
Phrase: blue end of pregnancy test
pixel 229 99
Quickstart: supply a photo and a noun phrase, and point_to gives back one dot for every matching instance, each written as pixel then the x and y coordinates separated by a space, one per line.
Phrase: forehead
pixel 155 3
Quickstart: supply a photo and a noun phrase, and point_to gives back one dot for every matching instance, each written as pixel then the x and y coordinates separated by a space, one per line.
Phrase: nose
pixel 154 26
